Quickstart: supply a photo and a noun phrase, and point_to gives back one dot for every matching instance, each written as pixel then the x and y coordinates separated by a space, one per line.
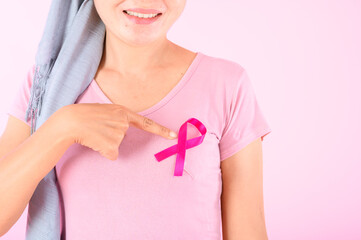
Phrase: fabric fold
pixel 66 61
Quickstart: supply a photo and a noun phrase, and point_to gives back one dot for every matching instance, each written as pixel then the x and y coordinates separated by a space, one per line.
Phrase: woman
pixel 145 82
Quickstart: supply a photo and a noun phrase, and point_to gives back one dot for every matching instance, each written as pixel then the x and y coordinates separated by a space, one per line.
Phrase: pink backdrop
pixel 304 59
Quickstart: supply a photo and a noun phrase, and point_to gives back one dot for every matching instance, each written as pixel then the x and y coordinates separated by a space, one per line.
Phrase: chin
pixel 141 40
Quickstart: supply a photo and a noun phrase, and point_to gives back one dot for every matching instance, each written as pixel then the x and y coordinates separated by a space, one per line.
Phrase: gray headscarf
pixel 67 59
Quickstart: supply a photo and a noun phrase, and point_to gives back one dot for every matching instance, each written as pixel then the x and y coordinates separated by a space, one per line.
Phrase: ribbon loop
pixel 182 145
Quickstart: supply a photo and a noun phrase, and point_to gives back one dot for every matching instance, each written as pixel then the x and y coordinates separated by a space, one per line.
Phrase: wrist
pixel 61 127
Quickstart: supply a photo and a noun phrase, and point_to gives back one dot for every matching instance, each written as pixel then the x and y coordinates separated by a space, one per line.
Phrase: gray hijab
pixel 66 61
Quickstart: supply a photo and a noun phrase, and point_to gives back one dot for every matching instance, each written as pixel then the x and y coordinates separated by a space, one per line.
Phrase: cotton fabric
pixel 137 197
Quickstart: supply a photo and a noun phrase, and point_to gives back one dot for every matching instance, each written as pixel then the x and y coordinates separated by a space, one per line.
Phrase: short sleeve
pixel 19 103
pixel 245 121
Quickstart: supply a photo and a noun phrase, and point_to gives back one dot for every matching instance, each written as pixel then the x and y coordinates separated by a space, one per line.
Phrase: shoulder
pixel 221 63
pixel 224 73
pixel 229 70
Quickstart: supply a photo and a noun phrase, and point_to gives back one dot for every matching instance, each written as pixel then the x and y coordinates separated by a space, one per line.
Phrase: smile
pixel 141 15
pixel 142 18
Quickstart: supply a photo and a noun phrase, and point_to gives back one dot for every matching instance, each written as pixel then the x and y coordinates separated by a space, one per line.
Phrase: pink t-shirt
pixel 137 197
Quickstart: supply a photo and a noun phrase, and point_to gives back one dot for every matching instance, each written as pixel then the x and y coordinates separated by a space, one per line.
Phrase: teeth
pixel 141 15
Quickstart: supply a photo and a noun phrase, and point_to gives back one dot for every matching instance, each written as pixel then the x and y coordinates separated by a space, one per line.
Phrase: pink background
pixel 304 59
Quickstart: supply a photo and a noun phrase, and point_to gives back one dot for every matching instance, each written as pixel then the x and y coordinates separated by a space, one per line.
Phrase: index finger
pixel 149 125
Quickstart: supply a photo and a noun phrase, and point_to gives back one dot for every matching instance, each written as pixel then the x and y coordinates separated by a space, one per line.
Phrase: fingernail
pixel 172 134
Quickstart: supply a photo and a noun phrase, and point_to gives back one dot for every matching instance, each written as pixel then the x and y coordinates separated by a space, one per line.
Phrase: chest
pixel 138 94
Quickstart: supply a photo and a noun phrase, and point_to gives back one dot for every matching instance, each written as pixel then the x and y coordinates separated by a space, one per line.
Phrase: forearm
pixel 242 216
pixel 22 169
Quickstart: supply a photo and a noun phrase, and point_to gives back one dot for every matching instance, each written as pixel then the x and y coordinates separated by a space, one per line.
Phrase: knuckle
pixel 121 113
pixel 121 106
pixel 147 123
pixel 125 125
pixel 164 130
pixel 122 128
pixel 120 125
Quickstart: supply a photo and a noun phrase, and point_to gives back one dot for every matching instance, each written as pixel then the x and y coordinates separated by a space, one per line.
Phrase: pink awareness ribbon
pixel 182 145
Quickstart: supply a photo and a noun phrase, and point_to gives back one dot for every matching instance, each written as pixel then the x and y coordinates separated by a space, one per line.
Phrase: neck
pixel 128 59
